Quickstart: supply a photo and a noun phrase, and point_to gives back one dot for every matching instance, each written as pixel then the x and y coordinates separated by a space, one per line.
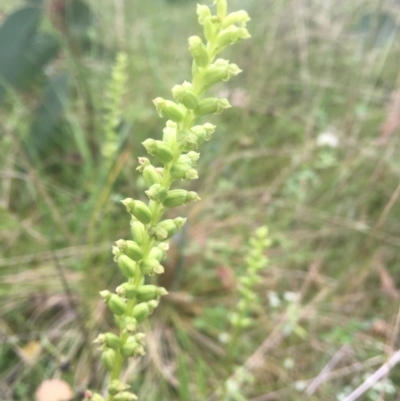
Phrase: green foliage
pixel 51 108
pixel 25 51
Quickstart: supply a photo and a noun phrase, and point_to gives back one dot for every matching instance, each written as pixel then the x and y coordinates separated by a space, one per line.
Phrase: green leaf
pixel 47 116
pixel 79 15
pixel 184 380
pixel 24 51
pixel 16 35
pixel 79 21
pixel 44 48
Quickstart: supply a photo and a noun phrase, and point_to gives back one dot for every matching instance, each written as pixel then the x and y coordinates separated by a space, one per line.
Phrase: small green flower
pixel 139 233
pixel 157 192
pixel 169 109
pixel 211 105
pixel 141 311
pixel 222 8
pixel 151 266
pixel 116 304
pixel 239 17
pixel 117 386
pixel 108 359
pixel 138 209
pixel 184 94
pixel 198 51
pixel 220 71
pixel 159 149
pixel 125 396
pixel 127 266
pixel 179 197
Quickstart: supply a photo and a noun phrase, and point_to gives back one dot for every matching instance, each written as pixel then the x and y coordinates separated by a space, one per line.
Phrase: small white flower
pixel 291 297
pixel 273 299
pixel 328 138
pixel 288 363
pixel 224 338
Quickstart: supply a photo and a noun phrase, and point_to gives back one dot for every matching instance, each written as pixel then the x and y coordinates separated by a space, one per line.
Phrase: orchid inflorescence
pixel 133 301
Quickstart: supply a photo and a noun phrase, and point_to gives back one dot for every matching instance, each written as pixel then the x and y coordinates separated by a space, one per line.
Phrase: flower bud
pixel 157 192
pixel 168 109
pixel 150 292
pixel 152 304
pixel 105 294
pixel 108 359
pixel 189 158
pixel 139 337
pixel 231 35
pixel 151 176
pixel 169 133
pixel 157 253
pixel 221 70
pixel 144 162
pixel 127 266
pixel 164 246
pixel 222 8
pixel 184 94
pixel 117 386
pixel 132 348
pixel 210 129
pixel 95 397
pixel 117 305
pixel 167 228
pixel 159 150
pixel 214 75
pixel 190 141
pixel 108 339
pixel 210 27
pixel 176 197
pixel 100 339
pixel 151 266
pixel 138 209
pixel 161 291
pixel 141 311
pixel 198 51
pixel 203 12
pixel 191 175
pixel 147 293
pixel 127 290
pixel 193 138
pixel 183 171
pixel 179 197
pixel 179 222
pixel 116 251
pixel 133 250
pixel 211 105
pixel 125 396
pixel 238 17
pixel 138 232
pixel 118 320
pixel 129 324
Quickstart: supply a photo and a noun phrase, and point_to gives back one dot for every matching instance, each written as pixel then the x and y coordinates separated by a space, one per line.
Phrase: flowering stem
pixel 134 301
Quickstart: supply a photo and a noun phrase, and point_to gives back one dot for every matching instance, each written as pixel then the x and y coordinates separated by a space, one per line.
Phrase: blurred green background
pixel 311 148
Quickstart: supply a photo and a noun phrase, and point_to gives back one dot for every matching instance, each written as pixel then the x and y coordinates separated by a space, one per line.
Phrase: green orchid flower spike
pixel 174 159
